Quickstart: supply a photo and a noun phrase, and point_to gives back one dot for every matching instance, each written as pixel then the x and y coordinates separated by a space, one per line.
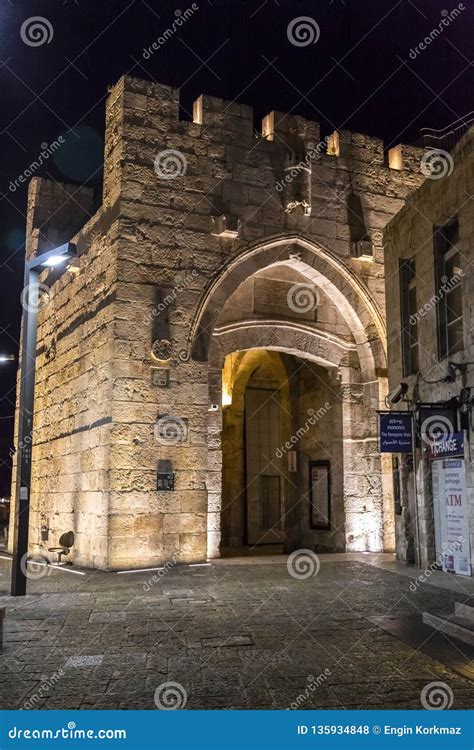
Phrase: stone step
pixel 457 627
pixel 466 611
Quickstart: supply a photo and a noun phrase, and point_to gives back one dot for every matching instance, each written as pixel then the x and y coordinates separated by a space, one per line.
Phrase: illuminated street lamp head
pixel 7 357
pixel 55 260
pixel 53 257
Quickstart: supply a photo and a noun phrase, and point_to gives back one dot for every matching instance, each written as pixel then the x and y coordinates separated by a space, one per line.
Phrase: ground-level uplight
pixel 33 268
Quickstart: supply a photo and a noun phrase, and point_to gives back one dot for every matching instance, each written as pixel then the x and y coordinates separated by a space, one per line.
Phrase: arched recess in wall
pixel 321 267
pixel 358 364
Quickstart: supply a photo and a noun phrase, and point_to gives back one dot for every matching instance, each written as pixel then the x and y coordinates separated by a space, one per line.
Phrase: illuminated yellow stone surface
pixel 229 299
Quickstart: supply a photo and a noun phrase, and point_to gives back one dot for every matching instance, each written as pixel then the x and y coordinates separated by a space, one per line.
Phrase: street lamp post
pixel 25 408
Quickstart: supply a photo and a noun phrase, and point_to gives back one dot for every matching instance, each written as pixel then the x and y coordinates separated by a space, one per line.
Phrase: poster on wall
pixel 451 513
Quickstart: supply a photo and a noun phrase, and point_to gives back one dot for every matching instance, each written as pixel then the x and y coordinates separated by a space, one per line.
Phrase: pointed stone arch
pixel 320 266
pixel 358 364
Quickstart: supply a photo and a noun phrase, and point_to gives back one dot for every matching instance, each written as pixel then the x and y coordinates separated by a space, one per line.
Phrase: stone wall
pixel 410 234
pixel 176 235
pixel 73 385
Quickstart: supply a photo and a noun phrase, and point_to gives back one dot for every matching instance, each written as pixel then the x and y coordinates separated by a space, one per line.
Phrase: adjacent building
pixel 429 280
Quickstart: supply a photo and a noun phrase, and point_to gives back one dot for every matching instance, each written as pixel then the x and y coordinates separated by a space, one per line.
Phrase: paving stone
pixel 233 640
pixel 189 601
pixel 107 616
pixel 235 650
pixel 83 661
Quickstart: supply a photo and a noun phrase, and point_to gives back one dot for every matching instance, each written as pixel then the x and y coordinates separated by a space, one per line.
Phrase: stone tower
pixel 209 368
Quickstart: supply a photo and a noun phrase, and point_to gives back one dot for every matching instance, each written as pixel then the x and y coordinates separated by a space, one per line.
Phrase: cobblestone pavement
pixel 231 636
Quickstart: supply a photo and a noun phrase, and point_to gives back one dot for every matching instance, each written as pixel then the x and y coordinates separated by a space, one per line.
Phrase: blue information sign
pixel 396 432
pixel 448 445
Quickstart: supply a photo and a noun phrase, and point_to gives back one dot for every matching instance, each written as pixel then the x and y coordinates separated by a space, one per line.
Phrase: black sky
pixel 359 75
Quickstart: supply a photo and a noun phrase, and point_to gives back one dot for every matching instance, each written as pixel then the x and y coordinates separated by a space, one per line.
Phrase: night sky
pixel 359 75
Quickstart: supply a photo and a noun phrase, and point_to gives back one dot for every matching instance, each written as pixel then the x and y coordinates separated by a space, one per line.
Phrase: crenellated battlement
pixel 157 106
pixel 217 169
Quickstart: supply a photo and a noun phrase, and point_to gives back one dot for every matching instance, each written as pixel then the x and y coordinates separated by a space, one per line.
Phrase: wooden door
pixel 265 482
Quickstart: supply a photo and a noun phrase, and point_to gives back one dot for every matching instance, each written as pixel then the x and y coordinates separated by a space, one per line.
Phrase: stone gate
pixel 228 265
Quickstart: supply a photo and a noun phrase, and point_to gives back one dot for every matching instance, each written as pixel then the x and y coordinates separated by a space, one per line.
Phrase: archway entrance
pixel 292 321
pixel 281 452
pixel 256 421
